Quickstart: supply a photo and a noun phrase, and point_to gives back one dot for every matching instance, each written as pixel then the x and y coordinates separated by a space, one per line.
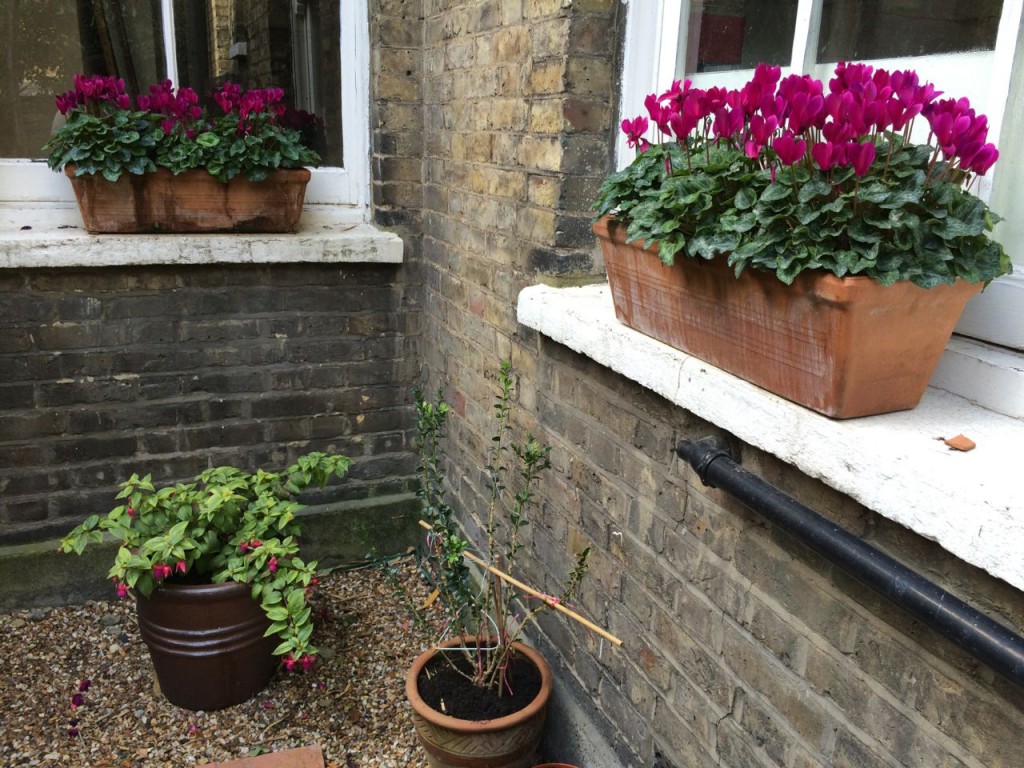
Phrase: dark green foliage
pixel 891 224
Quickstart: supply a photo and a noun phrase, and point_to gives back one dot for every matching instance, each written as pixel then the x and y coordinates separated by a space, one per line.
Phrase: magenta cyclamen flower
pixel 861 156
pixel 635 130
pixel 789 149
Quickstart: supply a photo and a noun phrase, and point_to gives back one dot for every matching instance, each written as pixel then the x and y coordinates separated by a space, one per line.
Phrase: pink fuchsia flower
pixel 307 662
pixel 635 130
pixel 180 566
pixel 77 700
pixel 122 589
pixel 84 685
pixel 272 564
pixel 161 571
pixel 289 662
pixel 73 728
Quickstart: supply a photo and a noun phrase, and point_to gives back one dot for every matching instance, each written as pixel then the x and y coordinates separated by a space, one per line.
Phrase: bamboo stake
pixel 531 591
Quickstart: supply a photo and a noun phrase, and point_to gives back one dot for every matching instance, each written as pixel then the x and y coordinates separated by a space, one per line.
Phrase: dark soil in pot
pixel 445 689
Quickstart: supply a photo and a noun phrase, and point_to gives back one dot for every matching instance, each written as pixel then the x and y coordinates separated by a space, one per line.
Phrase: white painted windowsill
pixel 52 235
pixel 895 464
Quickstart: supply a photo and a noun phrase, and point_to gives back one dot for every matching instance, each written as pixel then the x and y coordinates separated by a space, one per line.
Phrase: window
pixel 972 49
pixel 316 50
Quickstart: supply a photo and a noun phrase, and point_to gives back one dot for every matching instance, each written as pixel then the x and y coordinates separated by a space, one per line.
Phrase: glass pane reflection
pixel 289 45
pixel 736 34
pixel 878 29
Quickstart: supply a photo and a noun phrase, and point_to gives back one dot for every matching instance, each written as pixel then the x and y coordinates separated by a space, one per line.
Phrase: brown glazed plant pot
pixel 504 742
pixel 206 642
pixel 193 201
pixel 845 347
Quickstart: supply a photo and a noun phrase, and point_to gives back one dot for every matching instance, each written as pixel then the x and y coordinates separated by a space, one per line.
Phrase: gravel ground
pixel 352 703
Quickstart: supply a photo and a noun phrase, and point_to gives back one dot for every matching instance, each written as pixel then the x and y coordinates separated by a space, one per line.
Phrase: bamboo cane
pixel 531 591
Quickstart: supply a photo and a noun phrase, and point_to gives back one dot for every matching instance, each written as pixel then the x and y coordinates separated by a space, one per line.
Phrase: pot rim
pixel 441 720
pixel 303 174
pixel 197 592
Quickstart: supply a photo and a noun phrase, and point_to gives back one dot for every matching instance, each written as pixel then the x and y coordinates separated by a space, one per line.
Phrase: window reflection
pixel 877 29
pixel 289 44
pixel 737 34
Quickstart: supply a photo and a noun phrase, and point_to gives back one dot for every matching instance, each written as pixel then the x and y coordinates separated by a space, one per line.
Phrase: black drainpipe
pixel 987 640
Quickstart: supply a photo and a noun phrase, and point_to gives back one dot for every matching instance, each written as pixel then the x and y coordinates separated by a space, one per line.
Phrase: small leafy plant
pixel 253 134
pixel 226 525
pixel 783 176
pixel 484 611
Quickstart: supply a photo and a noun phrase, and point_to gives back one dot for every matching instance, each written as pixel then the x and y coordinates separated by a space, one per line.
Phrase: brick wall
pixel 169 370
pixel 741 647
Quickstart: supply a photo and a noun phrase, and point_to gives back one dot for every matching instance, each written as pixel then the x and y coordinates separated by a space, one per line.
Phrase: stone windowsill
pixel 895 464
pixel 52 236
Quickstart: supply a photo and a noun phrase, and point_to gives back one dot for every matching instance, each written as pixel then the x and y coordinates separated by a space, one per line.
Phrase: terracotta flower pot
pixel 504 742
pixel 206 642
pixel 193 201
pixel 844 347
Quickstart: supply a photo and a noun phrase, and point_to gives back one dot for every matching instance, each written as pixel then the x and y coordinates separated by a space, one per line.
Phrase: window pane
pixel 880 29
pixel 292 45
pixel 736 34
pixel 46 42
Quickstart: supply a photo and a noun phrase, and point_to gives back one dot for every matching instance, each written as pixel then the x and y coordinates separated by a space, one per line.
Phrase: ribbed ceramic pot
pixel 504 742
pixel 206 642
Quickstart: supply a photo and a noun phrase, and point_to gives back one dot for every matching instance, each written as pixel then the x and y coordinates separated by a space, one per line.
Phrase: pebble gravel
pixel 77 688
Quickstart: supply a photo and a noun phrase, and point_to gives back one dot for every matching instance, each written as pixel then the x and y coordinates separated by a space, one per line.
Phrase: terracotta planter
pixel 207 645
pixel 844 347
pixel 193 201
pixel 504 742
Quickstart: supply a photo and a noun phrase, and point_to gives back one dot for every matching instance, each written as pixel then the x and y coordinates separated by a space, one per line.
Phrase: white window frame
pixel 28 182
pixel 993 80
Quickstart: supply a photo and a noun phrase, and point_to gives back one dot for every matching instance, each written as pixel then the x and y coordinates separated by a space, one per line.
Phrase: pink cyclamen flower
pixel 635 130
pixel 789 149
pixel 984 159
pixel 861 156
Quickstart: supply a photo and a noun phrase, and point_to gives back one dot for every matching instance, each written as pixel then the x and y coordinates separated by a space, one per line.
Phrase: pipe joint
pixel 703 453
